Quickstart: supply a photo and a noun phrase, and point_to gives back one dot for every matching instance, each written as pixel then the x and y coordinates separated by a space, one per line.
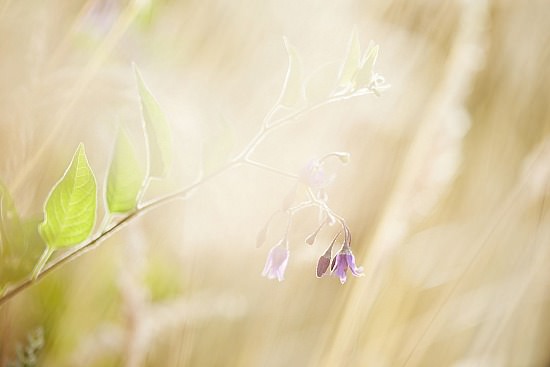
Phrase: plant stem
pixel 105 222
pixel 270 114
pixel 42 262
pixel 38 273
pixel 323 206
pixel 271 169
pixel 41 270
pixel 277 124
pixel 144 187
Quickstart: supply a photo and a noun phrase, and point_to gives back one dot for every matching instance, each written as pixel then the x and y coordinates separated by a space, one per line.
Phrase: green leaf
pixel 17 246
pixel 125 178
pixel 321 83
pixel 70 209
pixel 157 131
pixel 293 88
pixel 35 243
pixel 11 231
pixel 365 74
pixel 350 65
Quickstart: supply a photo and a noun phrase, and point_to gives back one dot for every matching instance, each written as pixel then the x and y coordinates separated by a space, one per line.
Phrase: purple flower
pixel 343 260
pixel 315 176
pixel 276 263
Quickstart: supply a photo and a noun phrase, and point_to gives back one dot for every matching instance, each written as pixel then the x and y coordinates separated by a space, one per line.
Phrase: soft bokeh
pixel 444 194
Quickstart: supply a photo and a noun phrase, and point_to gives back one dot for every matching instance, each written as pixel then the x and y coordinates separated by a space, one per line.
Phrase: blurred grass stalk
pixel 446 104
pixel 412 343
pixel 461 289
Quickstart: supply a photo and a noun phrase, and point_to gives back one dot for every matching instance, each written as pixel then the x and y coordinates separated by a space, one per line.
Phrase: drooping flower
pixel 343 260
pixel 276 262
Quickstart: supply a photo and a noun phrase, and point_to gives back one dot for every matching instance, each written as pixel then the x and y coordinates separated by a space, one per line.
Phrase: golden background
pixel 445 192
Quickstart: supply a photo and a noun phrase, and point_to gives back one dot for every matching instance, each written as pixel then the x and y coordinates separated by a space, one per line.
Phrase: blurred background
pixel 446 192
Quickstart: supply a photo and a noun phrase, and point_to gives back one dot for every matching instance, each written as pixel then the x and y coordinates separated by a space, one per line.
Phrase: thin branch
pixel 283 121
pixel 93 243
pixel 48 251
pixel 185 192
pixel 271 169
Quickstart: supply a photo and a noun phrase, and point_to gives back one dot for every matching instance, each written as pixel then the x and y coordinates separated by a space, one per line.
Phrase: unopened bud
pixel 322 265
pixel 344 157
pixel 324 261
pixel 310 240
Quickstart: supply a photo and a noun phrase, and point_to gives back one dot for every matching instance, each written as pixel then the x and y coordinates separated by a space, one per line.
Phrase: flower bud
pixel 310 240
pixel 324 261
pixel 322 265
pixel 344 157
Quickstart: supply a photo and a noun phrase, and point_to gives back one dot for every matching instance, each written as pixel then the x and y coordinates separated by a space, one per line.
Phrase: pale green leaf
pixel 125 178
pixel 19 262
pixel 157 131
pixel 351 63
pixel 292 94
pixel 321 83
pixel 70 209
pixel 365 74
pixel 11 231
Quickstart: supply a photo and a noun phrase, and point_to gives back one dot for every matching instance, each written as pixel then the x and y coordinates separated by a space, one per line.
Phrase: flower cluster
pixel 315 180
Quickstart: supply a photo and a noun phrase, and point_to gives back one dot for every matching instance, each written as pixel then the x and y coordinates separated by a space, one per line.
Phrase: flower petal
pixel 268 263
pixel 343 277
pixel 276 262
pixel 281 269
pixel 357 271
pixel 340 267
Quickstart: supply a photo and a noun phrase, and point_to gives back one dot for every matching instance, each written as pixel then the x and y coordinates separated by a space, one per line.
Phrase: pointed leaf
pixel 321 84
pixel 365 74
pixel 157 131
pixel 11 230
pixel 293 88
pixel 125 179
pixel 70 209
pixel 17 264
pixel 35 243
pixel 351 62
